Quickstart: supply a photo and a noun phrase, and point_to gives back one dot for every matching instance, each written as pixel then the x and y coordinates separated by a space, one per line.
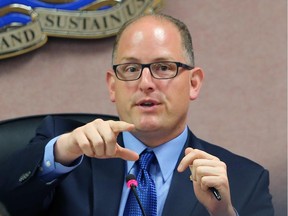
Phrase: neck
pixel 157 138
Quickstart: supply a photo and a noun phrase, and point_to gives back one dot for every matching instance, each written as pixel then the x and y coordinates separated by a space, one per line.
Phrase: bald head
pixel 138 22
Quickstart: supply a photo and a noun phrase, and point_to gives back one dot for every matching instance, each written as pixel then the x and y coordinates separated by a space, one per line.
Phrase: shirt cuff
pixel 50 170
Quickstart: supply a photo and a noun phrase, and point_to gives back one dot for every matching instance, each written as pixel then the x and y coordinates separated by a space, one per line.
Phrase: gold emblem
pixel 90 23
pixel 17 39
pixel 86 23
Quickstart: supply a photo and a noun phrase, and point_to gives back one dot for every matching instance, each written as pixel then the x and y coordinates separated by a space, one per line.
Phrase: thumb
pixel 188 150
pixel 126 154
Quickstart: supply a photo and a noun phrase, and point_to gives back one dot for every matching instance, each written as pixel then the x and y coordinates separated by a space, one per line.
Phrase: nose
pixel 146 80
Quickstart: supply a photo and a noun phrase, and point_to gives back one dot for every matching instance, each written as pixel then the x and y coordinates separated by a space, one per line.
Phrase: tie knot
pixel 146 159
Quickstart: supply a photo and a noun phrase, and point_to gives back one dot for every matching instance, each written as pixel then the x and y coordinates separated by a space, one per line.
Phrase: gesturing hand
pixel 95 139
pixel 208 171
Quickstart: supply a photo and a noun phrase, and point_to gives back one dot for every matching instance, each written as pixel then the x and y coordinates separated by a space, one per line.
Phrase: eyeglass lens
pixel 160 70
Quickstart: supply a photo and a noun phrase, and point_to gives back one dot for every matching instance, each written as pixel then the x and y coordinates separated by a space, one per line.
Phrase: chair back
pixel 16 133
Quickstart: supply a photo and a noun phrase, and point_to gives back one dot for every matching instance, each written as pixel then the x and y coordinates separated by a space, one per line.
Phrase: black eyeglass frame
pixel 178 64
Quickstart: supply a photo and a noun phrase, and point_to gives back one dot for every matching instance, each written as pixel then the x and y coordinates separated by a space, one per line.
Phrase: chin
pixel 148 126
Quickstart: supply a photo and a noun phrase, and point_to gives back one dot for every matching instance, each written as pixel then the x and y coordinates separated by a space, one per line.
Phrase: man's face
pixel 153 105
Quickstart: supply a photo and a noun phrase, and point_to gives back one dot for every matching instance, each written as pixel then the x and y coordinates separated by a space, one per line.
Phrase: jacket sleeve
pixel 21 189
pixel 260 200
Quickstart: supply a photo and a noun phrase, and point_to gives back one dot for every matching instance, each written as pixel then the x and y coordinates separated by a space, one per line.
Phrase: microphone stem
pixel 138 200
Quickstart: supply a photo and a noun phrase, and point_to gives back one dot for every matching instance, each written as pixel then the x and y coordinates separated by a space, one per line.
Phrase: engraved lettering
pixel 73 24
pixel 50 21
pixel 16 38
pixel 4 44
pixel 29 35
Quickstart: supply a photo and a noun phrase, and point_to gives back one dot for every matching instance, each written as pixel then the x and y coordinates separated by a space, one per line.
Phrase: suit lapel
pixel 108 177
pixel 181 197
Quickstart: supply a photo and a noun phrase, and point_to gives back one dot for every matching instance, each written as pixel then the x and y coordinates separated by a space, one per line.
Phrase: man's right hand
pixel 95 139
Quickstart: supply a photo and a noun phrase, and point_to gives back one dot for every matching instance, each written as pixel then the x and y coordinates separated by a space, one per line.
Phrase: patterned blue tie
pixel 146 189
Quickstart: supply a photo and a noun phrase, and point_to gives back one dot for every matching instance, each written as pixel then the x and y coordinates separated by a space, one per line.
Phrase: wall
pixel 241 45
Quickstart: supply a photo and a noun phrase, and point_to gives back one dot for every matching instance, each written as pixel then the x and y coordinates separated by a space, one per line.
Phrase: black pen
pixel 216 193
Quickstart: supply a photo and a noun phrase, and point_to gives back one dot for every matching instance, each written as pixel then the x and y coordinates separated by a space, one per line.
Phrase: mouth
pixel 147 103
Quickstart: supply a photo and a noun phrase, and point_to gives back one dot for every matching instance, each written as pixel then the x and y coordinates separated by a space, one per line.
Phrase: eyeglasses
pixel 158 70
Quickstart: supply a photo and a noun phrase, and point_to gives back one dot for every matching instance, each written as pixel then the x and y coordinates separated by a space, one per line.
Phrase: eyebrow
pixel 132 59
pixel 129 59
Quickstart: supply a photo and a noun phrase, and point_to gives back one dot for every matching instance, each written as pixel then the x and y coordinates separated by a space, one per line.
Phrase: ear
pixel 110 80
pixel 196 79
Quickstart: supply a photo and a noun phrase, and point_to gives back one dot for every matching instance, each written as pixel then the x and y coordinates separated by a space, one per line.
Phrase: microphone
pixel 132 183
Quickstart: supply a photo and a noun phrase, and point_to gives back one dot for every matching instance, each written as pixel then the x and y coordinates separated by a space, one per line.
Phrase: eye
pixel 131 68
pixel 162 67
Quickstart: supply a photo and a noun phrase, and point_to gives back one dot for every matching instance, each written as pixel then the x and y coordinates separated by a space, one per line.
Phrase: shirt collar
pixel 167 154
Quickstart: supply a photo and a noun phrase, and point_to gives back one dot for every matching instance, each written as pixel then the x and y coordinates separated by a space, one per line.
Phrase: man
pixel 84 167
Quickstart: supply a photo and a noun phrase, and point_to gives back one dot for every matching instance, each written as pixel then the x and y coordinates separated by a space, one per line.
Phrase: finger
pixel 204 168
pixel 214 181
pixel 103 134
pixel 109 131
pixel 215 162
pixel 188 150
pixel 203 183
pixel 120 126
pixel 209 167
pixel 203 171
pixel 97 143
pixel 108 138
pixel 84 143
pixel 193 174
pixel 126 154
pixel 191 155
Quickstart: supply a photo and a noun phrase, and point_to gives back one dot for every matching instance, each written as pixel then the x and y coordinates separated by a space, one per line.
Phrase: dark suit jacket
pixel 95 187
